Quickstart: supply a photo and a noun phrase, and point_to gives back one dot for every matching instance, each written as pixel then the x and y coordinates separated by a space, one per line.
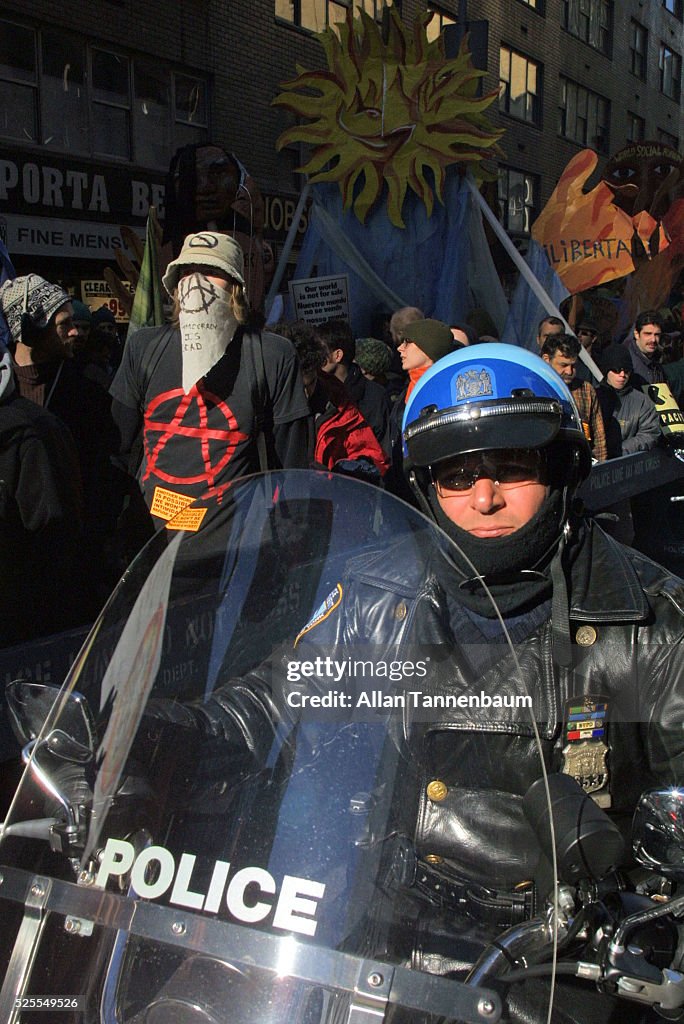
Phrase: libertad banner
pixel 632 220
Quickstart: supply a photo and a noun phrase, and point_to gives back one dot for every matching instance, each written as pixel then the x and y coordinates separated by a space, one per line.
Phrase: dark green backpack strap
pixel 253 348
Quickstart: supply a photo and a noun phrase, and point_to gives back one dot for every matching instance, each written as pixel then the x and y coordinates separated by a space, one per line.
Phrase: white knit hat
pixel 33 295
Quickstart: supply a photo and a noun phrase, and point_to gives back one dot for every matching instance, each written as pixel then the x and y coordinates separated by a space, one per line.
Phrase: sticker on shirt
pixel 322 612
pixel 189 519
pixel 173 508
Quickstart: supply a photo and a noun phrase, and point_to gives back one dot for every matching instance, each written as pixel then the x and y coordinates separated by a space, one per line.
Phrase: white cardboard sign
pixel 316 299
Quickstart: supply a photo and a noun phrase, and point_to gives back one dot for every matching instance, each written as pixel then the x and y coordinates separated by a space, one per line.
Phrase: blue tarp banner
pixel 424 264
pixel 526 310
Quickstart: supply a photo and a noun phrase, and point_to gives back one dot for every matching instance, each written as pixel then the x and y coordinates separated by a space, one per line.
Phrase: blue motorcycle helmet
pixel 499 396
pixel 491 396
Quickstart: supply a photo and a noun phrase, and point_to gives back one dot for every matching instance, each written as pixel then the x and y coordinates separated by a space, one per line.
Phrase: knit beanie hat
pixel 469 331
pixel 207 249
pixel 81 311
pixel 102 315
pixel 615 357
pixel 33 295
pixel 373 356
pixel 432 337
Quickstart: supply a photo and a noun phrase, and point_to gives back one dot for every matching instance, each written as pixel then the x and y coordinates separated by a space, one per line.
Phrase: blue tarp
pixel 526 310
pixel 424 264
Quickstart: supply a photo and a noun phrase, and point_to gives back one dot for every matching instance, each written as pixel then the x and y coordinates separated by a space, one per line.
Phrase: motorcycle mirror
pixel 64 746
pixel 658 832
pixel 29 705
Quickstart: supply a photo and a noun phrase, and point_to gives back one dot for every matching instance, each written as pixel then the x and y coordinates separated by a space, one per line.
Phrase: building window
pixel 668 138
pixel 18 83
pixel 317 15
pixel 63 95
pixel 110 77
pixel 674 7
pixel 191 109
pixel 373 7
pixel 125 107
pixel 636 127
pixel 590 21
pixel 518 194
pixel 538 5
pixel 440 20
pixel 584 116
pixel 151 113
pixel 638 47
pixel 519 86
pixel 670 65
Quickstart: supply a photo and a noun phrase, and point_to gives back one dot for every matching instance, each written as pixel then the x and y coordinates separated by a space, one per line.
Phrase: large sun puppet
pixel 396 112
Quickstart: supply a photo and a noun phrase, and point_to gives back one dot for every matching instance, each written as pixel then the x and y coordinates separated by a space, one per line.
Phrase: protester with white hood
pixel 205 399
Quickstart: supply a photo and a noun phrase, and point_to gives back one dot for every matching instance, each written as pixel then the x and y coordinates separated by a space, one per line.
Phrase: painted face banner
pixel 646 177
pixel 634 214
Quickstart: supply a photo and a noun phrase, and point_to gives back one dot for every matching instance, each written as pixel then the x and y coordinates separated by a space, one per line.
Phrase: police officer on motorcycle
pixel 529 600
pixel 495 451
pixel 533 599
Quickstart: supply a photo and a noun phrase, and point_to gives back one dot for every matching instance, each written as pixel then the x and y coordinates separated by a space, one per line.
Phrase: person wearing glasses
pixel 494 451
pixel 588 337
pixel 587 334
pixel 630 417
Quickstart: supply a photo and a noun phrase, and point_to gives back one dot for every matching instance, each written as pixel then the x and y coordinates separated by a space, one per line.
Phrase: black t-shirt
pixel 195 444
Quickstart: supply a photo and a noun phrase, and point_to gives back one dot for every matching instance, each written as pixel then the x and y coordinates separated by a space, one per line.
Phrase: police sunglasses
pixel 506 467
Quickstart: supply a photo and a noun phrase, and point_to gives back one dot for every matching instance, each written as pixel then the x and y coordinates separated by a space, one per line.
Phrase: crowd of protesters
pixel 103 444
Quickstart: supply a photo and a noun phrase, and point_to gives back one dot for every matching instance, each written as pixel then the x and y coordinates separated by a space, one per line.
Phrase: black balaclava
pixel 501 558
pixel 520 570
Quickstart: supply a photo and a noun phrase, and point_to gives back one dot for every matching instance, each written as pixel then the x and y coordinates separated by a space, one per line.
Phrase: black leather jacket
pixel 627 626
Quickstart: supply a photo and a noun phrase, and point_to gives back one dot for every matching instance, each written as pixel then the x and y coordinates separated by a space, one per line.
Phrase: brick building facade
pixel 97 95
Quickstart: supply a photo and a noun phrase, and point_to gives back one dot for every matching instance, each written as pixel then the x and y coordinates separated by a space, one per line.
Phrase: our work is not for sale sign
pixel 316 299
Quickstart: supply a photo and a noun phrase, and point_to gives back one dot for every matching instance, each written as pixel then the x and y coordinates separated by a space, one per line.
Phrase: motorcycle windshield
pixel 241 805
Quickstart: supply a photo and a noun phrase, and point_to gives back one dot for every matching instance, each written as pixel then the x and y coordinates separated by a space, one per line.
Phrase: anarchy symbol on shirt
pixel 196 294
pixel 173 421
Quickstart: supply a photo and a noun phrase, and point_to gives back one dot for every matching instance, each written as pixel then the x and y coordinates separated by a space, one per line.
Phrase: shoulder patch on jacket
pixel 322 612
